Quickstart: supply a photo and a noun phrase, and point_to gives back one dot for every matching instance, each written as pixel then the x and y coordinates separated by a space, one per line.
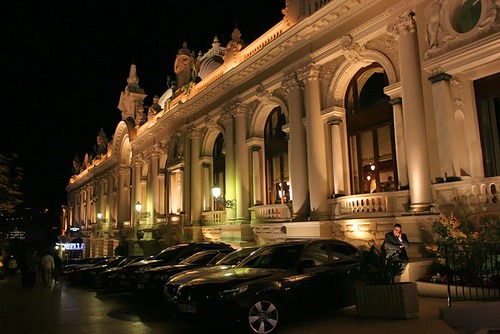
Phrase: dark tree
pixel 11 175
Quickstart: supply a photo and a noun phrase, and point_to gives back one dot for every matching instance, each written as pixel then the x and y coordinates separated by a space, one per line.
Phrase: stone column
pixel 242 112
pixel 316 148
pixel 338 165
pixel 399 136
pixel 297 151
pixel 195 188
pixel 405 30
pixel 445 125
pixel 229 189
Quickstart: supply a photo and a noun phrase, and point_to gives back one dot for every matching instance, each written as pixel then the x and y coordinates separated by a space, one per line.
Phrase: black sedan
pixel 88 275
pixel 152 280
pixel 227 262
pixel 171 255
pixel 109 279
pixel 276 280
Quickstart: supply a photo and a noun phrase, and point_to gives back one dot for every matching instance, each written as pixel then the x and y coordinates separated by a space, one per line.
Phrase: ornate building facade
pixel 344 118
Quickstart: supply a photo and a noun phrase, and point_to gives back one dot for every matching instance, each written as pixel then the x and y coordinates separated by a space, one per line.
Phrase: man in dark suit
pixel 396 243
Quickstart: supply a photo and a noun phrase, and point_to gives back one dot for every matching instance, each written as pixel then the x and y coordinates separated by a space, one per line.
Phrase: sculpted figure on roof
pixel 234 46
pixel 184 66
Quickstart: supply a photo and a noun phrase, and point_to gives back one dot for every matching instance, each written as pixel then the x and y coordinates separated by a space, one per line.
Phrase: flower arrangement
pixel 461 232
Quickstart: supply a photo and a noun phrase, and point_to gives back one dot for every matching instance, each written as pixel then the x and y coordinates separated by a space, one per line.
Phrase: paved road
pixel 74 310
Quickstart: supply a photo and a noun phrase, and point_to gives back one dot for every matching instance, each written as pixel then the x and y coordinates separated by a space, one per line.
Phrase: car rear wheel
pixel 264 315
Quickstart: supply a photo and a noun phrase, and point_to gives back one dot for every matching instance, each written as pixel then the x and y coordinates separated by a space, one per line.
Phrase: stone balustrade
pixel 213 217
pixel 275 212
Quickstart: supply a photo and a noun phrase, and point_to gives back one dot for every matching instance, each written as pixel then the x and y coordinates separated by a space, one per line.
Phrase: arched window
pixel 219 161
pixel 277 176
pixel 371 133
pixel 487 91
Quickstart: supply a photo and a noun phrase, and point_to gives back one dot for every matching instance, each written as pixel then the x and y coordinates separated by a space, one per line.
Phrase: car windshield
pixel 283 256
pixel 200 257
pixel 114 262
pixel 236 257
pixel 170 253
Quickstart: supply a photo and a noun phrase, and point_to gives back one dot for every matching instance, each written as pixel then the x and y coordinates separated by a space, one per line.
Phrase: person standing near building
pixel 12 266
pixel 29 269
pixel 47 269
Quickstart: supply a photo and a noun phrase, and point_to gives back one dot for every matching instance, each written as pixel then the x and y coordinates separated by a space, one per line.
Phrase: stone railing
pixel 480 194
pixel 271 213
pixel 213 217
pixel 380 204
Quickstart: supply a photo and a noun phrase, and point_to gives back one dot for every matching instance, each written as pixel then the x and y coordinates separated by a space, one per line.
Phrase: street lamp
pixel 228 204
pixel 100 219
pixel 138 208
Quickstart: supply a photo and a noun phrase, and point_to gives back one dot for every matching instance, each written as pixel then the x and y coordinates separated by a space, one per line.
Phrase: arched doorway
pixel 370 130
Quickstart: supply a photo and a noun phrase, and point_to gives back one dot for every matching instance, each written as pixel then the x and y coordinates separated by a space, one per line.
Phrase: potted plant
pixel 380 296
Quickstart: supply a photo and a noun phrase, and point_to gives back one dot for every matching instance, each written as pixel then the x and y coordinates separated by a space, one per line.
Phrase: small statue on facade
pixel 102 144
pixel 155 108
pixel 234 46
pixel 77 164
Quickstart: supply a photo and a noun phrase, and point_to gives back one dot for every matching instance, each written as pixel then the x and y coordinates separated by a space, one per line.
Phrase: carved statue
pixel 102 144
pixel 184 66
pixel 77 164
pixel 155 108
pixel 433 15
pixel 234 46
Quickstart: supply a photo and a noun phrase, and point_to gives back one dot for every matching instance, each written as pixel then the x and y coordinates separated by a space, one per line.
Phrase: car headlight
pixel 231 294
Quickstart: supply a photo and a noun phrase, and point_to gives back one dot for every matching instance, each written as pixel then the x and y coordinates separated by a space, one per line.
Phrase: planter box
pixel 396 301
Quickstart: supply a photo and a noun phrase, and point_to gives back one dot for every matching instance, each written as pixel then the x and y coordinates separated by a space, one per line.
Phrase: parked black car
pixel 109 279
pixel 87 275
pixel 171 255
pixel 276 280
pixel 69 266
pixel 152 280
pixel 227 262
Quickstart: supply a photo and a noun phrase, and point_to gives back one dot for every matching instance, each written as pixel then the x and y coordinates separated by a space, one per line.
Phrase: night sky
pixel 65 62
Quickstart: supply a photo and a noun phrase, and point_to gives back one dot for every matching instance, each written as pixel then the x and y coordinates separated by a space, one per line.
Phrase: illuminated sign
pixel 74 229
pixel 72 245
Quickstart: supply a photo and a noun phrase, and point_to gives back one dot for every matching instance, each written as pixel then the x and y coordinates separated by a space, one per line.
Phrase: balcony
pixel 271 213
pixel 372 205
pixel 479 194
pixel 213 217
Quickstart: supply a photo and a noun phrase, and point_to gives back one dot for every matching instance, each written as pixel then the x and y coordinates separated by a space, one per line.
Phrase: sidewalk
pixel 75 310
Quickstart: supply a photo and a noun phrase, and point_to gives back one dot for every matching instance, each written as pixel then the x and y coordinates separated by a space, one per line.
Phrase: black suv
pixel 276 280
pixel 171 255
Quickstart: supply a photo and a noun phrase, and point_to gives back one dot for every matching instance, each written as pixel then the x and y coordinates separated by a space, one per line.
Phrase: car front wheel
pixel 264 316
